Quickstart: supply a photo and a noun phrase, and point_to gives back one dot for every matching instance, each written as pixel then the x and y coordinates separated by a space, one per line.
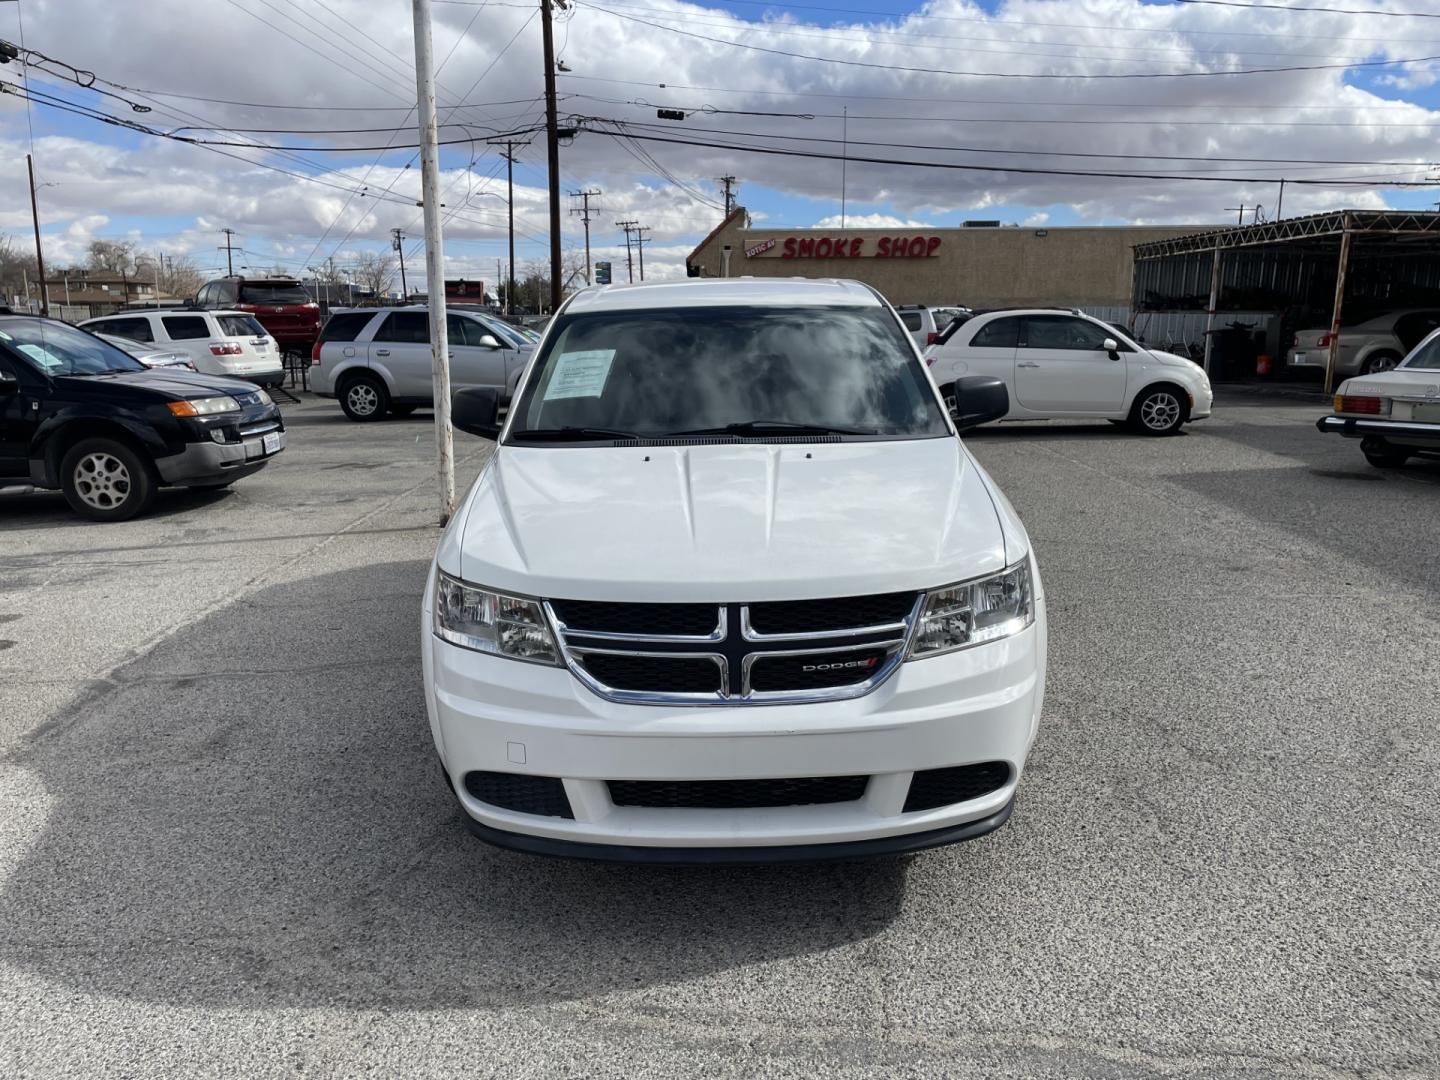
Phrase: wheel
pixel 402 410
pixel 1159 410
pixel 1378 362
pixel 105 480
pixel 1382 455
pixel 364 398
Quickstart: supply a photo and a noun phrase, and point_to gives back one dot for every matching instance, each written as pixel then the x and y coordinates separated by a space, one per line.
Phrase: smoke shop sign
pixel 858 247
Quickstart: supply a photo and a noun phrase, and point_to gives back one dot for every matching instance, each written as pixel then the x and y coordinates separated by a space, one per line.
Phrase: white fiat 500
pixel 731 589
pixel 1066 365
pixel 1395 414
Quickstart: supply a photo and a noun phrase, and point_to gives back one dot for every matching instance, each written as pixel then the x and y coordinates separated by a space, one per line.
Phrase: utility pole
pixel 229 260
pixel 399 235
pixel 39 255
pixel 1280 202
pixel 497 276
pixel 1241 210
pixel 640 240
pixel 728 183
pixel 509 156
pixel 584 212
pixel 434 257
pixel 552 147
pixel 629 260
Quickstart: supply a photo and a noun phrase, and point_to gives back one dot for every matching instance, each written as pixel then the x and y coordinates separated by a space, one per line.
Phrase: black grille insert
pixel 693 620
pixel 837 613
pixel 543 795
pixel 658 674
pixel 944 787
pixel 738 794
pixel 814 671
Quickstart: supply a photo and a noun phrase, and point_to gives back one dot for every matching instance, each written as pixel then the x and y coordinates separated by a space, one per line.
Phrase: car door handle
pixel 382 352
pixel 1027 363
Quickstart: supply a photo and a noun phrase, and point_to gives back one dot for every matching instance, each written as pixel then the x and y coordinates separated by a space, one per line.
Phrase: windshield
pixel 508 334
pixel 1426 356
pixel 659 373
pixel 58 349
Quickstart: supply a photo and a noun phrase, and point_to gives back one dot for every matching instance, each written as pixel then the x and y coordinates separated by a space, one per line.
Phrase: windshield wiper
pixel 753 428
pixel 561 434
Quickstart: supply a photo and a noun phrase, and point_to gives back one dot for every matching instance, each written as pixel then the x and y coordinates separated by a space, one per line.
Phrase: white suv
pixel 217 342
pixel 378 361
pixel 1063 364
pixel 731 589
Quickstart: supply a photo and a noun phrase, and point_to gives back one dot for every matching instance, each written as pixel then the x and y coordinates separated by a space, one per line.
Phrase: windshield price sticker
pixel 579 374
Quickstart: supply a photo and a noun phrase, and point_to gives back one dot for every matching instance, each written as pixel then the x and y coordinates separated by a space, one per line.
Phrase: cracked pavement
pixel 226 851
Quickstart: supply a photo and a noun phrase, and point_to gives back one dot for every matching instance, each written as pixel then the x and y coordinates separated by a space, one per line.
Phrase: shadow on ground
pixel 49 507
pixel 252 814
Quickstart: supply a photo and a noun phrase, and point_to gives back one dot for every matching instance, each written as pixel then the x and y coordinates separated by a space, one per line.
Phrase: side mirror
pixel 9 385
pixel 477 410
pixel 489 341
pixel 1112 347
pixel 975 400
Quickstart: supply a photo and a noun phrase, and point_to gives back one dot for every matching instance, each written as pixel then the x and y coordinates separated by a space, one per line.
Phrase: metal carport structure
pixel 1300 268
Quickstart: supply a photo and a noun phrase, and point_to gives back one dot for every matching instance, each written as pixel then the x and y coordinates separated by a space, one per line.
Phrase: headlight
pixel 205 406
pixel 263 397
pixel 492 622
pixel 975 612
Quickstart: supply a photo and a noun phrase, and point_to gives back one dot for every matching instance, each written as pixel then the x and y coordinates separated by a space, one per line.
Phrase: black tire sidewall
pixel 143 481
pixel 380 392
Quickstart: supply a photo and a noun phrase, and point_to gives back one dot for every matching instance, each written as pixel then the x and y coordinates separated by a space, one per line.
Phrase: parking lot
pixel 226 849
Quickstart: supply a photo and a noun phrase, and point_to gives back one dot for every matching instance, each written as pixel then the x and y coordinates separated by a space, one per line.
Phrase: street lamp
pixel 510 204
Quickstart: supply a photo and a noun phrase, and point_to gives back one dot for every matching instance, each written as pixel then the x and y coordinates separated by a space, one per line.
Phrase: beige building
pixel 977 266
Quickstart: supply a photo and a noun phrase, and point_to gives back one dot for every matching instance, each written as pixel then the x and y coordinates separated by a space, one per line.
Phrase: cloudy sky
pixel 1050 87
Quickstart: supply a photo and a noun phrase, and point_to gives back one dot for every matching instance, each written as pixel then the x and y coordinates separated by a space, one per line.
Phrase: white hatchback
pixel 217 342
pixel 730 589
pixel 1063 364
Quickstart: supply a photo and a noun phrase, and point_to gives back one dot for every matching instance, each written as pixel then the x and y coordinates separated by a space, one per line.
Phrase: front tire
pixel 1160 410
pixel 106 480
pixel 364 398
pixel 1382 455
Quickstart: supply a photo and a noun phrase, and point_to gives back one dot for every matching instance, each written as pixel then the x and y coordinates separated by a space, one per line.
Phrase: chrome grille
pixel 736 654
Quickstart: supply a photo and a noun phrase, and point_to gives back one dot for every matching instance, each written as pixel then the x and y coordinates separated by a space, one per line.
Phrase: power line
pixel 957 166
pixel 1042 153
pixel 1045 75
pixel 1326 10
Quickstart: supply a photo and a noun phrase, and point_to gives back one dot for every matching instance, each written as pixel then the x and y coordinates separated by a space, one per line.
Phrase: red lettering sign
pixel 840 247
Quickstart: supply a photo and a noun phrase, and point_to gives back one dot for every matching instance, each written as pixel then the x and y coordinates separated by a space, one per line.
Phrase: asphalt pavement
pixel 226 850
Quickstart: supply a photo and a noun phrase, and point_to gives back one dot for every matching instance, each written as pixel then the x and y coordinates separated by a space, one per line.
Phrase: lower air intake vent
pixel 943 787
pixel 738 794
pixel 543 795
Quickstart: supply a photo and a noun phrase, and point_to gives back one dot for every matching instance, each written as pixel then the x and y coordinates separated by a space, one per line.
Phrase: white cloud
pixel 179 196
pixel 870 221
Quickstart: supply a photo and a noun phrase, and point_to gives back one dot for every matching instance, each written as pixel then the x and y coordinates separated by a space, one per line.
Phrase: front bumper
pixel 211 462
pixel 1399 431
pixel 490 714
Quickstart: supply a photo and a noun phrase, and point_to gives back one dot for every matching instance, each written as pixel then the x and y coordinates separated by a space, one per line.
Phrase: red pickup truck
pixel 282 305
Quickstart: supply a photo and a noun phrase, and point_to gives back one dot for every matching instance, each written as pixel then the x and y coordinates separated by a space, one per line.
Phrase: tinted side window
pixel 911 319
pixel 999 334
pixel 412 327
pixel 203 296
pixel 186 327
pixel 1063 332
pixel 134 329
pixel 346 326
pixel 225 293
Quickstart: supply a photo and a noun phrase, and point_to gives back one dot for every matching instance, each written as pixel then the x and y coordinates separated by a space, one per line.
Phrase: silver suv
pixel 377 361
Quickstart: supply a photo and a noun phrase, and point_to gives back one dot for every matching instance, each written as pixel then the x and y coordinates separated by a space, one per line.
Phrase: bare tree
pixel 17 268
pixel 374 271
pixel 172 276
pixel 116 256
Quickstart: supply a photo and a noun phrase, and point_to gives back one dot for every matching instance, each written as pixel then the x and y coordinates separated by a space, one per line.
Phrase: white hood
pixel 727 522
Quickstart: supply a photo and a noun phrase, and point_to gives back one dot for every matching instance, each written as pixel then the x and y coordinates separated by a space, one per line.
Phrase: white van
pixel 217 342
pixel 731 589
